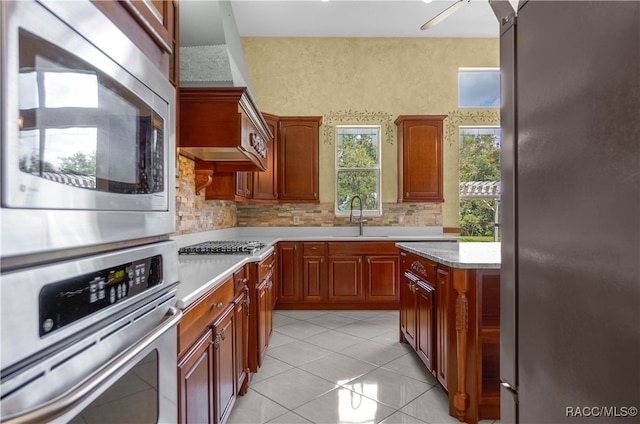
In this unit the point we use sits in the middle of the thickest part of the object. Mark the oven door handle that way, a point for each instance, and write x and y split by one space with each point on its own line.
66 402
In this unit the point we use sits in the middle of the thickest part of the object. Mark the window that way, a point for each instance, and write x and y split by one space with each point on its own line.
479 183
479 87
358 168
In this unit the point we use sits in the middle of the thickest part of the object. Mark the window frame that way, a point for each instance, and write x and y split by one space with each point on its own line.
377 170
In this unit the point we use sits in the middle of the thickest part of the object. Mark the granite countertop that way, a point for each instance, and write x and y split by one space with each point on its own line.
457 255
202 273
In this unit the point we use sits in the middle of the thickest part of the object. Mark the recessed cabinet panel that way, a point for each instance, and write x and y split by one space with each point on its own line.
420 169
345 282
265 184
382 278
299 158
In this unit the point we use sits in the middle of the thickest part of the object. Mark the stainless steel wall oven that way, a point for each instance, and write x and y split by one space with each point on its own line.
87 132
92 339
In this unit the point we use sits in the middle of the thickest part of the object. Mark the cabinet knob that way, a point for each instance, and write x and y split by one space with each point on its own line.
216 341
216 305
245 280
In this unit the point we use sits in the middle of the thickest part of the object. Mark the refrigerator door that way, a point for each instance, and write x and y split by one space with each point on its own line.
578 208
508 294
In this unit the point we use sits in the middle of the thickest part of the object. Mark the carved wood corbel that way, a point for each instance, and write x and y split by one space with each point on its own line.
461 398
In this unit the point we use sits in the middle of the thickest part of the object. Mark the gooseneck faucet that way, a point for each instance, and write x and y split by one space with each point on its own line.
361 220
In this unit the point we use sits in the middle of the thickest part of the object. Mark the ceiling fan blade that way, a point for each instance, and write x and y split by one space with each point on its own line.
444 14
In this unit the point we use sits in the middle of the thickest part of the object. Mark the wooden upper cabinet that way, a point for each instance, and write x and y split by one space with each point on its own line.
265 184
299 158
420 170
152 26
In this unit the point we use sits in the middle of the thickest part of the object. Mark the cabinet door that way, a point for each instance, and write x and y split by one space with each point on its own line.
242 342
288 271
315 279
195 379
408 311
243 184
420 171
299 160
265 184
345 279
224 363
443 298
425 325
381 283
269 311
263 315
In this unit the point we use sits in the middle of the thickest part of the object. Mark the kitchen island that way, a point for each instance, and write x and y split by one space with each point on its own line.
450 315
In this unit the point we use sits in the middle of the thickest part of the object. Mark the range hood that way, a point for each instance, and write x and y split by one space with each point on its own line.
219 119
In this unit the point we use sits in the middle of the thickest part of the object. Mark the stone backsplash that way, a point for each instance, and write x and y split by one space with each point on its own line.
194 214
322 214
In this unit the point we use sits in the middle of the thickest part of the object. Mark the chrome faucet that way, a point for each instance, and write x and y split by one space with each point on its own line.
361 220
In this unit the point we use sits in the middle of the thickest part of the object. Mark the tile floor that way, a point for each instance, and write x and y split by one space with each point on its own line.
340 367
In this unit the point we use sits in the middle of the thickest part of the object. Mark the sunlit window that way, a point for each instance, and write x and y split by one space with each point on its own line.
479 87
358 169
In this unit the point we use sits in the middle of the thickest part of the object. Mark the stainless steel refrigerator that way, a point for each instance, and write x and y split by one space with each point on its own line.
570 294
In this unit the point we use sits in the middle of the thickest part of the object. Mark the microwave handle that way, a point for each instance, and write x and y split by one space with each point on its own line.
66 402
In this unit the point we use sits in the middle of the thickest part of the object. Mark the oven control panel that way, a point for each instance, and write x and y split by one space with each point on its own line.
64 302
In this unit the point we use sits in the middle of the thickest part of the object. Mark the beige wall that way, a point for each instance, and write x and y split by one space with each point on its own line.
370 81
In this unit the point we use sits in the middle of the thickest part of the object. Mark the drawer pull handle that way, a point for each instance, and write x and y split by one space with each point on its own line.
223 334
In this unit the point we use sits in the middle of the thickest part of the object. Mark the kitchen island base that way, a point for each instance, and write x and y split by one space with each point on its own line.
451 317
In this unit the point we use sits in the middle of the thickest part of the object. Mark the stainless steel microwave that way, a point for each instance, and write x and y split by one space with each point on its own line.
88 132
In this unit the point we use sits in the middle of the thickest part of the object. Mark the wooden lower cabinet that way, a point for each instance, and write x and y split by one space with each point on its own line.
408 307
211 362
289 260
314 272
451 318
224 372
343 275
196 391
424 325
261 310
345 279
380 278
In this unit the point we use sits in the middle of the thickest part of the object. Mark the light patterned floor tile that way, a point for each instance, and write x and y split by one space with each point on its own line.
411 366
374 353
337 368
400 418
289 418
293 388
270 367
298 353
431 407
331 321
300 330
254 408
334 340
362 329
344 406
394 390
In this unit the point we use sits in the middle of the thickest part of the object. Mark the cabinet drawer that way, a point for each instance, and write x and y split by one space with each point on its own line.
422 267
313 249
199 316
266 266
240 280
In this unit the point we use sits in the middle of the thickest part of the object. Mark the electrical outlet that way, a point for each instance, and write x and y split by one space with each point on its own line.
296 220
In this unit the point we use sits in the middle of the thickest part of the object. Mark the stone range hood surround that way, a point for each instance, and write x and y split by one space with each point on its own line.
219 120
209 66
210 47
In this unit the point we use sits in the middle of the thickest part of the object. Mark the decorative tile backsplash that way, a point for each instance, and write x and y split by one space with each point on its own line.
195 214
322 214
